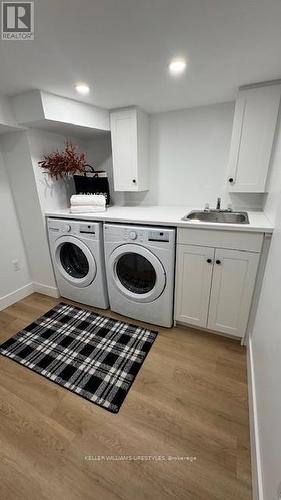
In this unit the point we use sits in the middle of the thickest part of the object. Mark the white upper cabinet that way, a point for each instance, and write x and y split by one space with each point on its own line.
254 125
129 137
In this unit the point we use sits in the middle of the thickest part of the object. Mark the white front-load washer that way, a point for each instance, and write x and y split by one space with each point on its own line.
140 263
78 260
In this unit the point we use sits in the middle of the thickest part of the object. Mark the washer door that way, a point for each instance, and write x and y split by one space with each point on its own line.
74 261
137 273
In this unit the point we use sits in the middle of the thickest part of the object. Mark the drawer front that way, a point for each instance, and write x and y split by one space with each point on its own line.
233 240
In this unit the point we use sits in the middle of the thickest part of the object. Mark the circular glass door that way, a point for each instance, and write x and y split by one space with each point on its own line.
137 273
75 261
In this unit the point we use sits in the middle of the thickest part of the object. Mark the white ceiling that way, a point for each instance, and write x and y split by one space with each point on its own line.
122 48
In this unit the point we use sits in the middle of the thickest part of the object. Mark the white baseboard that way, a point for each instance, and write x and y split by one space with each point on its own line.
254 430
21 293
15 296
52 291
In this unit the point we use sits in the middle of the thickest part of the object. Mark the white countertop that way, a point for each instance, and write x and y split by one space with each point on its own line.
164 216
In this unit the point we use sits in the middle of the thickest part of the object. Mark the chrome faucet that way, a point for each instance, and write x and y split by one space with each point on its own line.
218 207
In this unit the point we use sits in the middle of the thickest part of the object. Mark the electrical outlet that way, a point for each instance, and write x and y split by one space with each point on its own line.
16 265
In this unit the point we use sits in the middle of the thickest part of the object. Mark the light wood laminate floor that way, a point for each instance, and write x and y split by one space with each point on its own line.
189 399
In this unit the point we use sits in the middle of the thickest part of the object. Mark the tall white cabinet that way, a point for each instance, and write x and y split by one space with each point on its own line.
215 283
129 138
254 125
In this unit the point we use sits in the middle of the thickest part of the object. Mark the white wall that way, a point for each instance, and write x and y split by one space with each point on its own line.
272 198
99 155
53 194
188 159
17 158
265 345
13 284
7 117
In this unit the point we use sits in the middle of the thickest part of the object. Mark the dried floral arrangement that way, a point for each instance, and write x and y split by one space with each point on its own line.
60 164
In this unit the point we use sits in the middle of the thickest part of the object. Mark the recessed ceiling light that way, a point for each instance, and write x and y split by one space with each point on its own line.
82 88
177 66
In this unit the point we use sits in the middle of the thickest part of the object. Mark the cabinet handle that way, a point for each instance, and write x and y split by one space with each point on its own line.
231 180
209 261
134 181
218 262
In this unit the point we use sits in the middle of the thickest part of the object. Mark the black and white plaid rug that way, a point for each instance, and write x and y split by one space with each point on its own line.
91 355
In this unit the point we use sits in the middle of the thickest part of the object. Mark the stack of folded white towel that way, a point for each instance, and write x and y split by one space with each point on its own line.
87 203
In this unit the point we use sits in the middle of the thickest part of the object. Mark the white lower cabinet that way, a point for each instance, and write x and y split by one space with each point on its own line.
232 289
194 264
215 287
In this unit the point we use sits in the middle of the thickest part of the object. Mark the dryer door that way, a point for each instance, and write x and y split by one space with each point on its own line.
74 261
137 273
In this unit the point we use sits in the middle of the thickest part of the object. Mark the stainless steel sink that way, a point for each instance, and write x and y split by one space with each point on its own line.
218 217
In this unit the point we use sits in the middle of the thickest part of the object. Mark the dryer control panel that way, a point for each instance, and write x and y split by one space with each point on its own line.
140 235
144 235
134 234
158 236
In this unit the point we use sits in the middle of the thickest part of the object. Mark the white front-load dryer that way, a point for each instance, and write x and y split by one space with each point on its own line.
140 263
78 259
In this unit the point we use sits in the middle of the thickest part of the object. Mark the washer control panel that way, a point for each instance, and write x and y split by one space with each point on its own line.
74 227
133 235
87 228
62 227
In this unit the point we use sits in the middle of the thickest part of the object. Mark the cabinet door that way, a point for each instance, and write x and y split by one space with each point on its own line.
194 276
232 289
254 126
124 149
